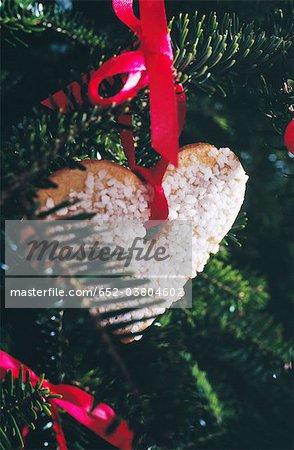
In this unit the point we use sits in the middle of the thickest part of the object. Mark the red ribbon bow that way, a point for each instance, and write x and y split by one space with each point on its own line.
78 404
151 64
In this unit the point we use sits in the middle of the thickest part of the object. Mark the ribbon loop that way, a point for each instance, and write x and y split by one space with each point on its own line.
131 63
125 12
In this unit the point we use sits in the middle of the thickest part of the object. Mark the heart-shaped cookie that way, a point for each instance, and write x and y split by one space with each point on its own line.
207 188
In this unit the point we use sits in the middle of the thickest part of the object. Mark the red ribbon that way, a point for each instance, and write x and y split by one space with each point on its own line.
151 64
78 404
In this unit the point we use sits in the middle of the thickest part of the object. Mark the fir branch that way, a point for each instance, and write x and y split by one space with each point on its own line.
237 305
205 388
277 104
22 403
239 224
75 27
281 21
49 141
208 48
23 17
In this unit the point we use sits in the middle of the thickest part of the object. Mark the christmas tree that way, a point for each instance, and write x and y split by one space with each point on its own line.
213 376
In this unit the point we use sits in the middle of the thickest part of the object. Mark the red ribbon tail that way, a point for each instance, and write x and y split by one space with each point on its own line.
163 108
60 438
127 139
159 59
